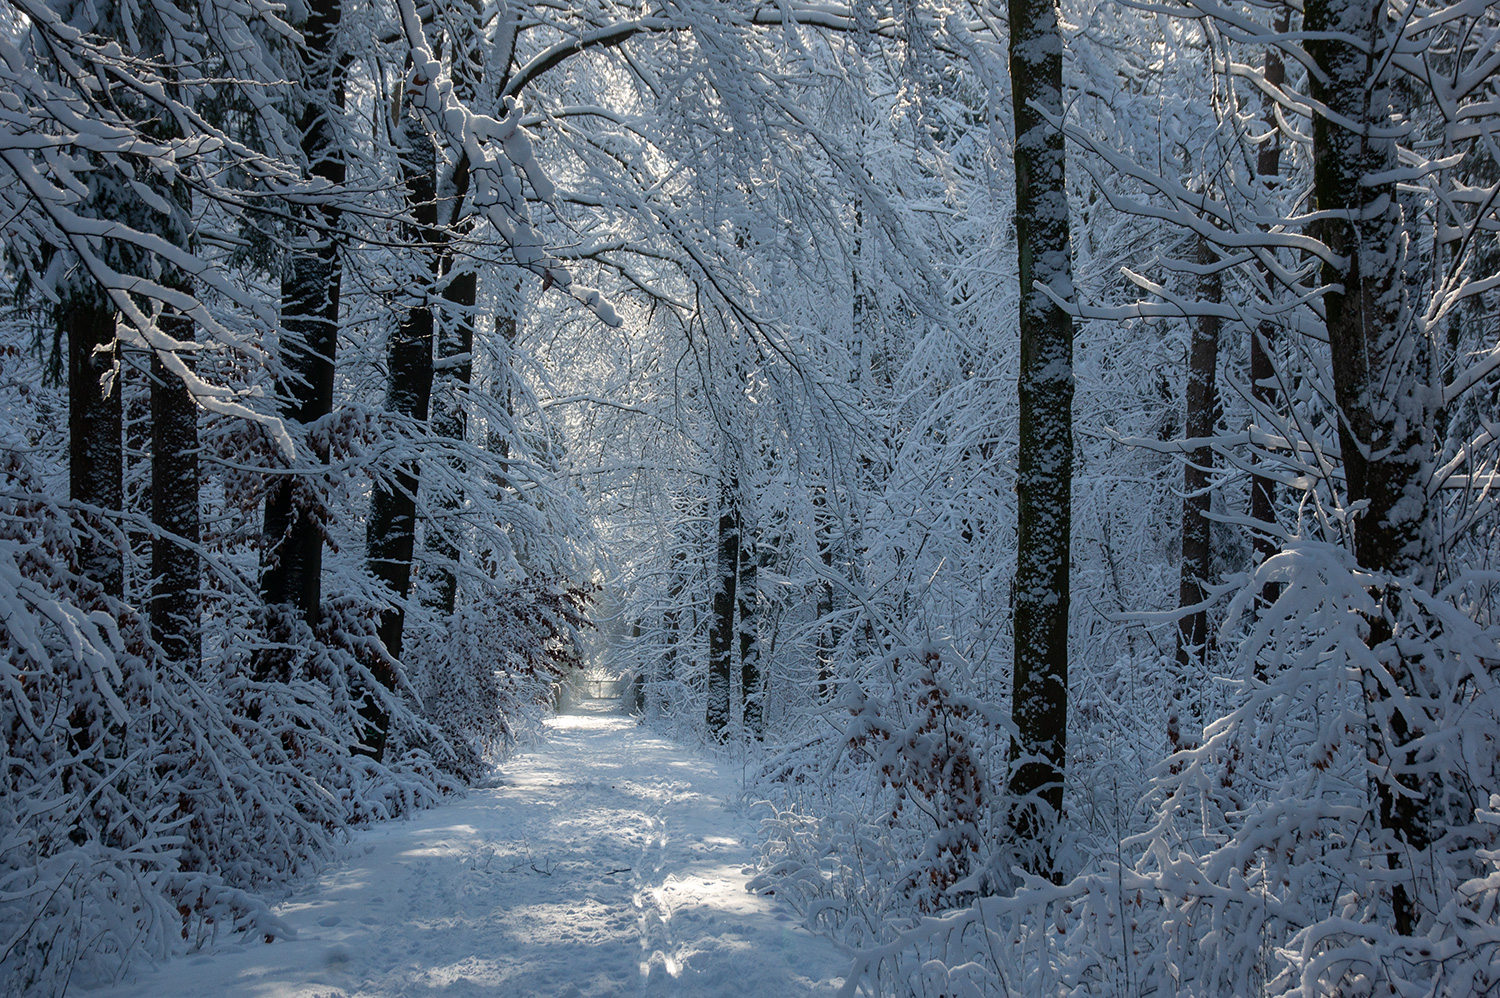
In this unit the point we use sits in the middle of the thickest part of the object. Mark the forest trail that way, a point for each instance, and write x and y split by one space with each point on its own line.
603 863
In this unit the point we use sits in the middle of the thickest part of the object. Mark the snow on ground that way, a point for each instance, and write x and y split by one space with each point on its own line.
606 862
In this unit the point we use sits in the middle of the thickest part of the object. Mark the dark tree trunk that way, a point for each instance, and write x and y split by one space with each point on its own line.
1264 337
176 615
456 371
1381 378
136 485
1195 567
455 332
175 600
390 535
824 609
859 318
95 427
1045 468
292 563
721 629
826 533
748 595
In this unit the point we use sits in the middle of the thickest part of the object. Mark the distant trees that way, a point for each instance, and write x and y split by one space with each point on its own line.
721 629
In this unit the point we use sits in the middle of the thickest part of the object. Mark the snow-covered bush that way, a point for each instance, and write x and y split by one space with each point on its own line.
891 814
119 775
1265 869
487 681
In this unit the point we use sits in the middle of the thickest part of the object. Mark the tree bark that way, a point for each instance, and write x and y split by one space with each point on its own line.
95 427
175 600
292 559
135 374
829 634
721 629
1381 378
1264 336
455 337
390 535
1196 564
1045 466
455 373
665 666
748 595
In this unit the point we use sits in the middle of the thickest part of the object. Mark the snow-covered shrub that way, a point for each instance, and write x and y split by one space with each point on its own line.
1270 849
486 680
145 799
921 742
112 764
891 814
1267 869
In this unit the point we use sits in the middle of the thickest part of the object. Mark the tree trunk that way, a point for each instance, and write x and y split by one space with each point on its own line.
390 535
666 665
454 375
176 614
824 609
1045 468
830 634
721 628
175 599
292 560
1195 568
861 306
748 595
1381 379
95 425
1263 338
135 477
455 330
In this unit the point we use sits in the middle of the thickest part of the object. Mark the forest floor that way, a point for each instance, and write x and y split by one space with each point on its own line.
604 862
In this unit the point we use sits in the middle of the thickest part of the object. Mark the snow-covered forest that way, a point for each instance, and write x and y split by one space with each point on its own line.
1048 448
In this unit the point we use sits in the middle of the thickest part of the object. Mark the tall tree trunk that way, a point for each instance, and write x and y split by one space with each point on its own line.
455 373
175 600
1195 567
1264 336
829 634
1045 469
451 383
721 628
176 615
1381 379
95 454
390 534
95 427
748 595
135 477
861 306
455 332
292 565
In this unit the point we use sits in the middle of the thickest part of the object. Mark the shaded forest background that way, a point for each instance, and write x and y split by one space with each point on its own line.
1055 447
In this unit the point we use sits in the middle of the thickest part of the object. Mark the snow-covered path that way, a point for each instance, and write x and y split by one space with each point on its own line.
603 863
